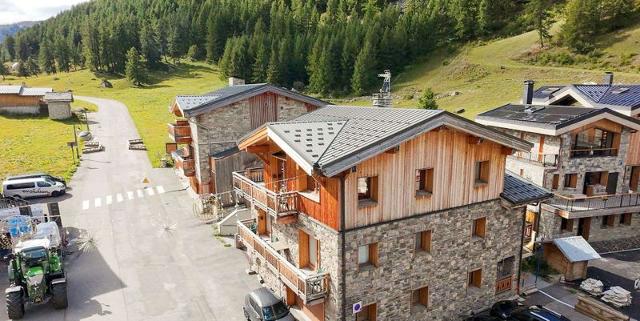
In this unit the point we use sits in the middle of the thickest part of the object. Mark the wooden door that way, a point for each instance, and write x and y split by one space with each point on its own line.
262 222
584 226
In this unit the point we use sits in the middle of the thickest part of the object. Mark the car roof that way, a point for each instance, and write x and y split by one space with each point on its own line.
264 297
28 175
24 180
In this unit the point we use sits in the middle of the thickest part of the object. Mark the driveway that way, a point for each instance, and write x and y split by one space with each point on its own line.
621 269
149 258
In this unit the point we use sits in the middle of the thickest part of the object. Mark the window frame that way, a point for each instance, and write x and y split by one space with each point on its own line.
482 172
372 255
474 279
370 197
569 181
625 219
608 221
423 241
420 297
566 225
424 181
479 230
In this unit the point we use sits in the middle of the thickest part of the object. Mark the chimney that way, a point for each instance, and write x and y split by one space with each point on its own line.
527 97
608 78
233 81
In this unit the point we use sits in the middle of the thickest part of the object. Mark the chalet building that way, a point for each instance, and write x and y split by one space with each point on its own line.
581 154
203 140
21 100
384 213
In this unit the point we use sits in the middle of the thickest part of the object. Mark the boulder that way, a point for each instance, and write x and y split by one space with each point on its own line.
617 296
592 286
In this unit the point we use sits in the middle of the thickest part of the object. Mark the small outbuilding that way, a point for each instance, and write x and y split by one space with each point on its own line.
59 104
570 256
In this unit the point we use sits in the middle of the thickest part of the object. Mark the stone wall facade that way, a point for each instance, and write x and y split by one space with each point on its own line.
220 129
454 253
59 110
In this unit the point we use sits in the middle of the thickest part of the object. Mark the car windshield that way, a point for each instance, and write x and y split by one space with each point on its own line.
50 181
275 312
34 255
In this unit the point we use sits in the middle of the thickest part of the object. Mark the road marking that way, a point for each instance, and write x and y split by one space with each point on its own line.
160 189
119 198
85 205
140 194
109 199
130 195
97 202
150 191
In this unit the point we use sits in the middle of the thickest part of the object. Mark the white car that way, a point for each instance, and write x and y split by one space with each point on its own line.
32 187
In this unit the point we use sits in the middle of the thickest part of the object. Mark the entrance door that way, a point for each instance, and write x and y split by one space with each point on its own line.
612 183
584 225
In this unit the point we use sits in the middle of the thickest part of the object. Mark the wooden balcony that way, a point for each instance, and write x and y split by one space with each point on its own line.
593 152
504 284
548 160
186 164
309 286
585 206
250 185
180 132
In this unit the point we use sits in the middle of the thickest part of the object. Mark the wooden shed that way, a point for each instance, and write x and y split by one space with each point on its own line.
570 256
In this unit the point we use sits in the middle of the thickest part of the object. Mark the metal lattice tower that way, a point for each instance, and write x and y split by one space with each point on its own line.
383 98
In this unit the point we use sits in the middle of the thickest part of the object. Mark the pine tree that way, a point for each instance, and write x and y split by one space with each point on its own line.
428 100
133 68
10 45
260 65
193 53
274 73
150 45
3 70
539 16
32 67
582 25
62 54
23 69
45 58
364 71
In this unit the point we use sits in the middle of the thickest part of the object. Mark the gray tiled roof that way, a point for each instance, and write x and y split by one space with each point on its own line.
617 95
193 105
518 190
23 91
64 96
576 249
9 89
546 92
546 117
353 134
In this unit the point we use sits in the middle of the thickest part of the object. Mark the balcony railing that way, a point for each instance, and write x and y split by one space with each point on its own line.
308 285
504 284
590 203
544 159
593 152
180 132
250 185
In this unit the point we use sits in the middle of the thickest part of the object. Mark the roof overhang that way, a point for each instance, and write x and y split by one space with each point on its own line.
556 130
443 119
204 108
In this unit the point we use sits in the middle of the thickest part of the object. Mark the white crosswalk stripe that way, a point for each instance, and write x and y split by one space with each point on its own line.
119 197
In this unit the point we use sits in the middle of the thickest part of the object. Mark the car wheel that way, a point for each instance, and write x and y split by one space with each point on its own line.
55 194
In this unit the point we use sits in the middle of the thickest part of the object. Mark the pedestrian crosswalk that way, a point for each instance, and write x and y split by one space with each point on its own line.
122 197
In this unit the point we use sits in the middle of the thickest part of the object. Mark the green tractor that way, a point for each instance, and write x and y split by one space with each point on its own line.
36 274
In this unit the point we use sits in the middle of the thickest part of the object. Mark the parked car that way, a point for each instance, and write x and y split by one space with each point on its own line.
32 187
262 304
38 175
514 311
482 318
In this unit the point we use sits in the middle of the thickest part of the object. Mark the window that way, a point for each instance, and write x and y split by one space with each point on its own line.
475 278
368 255
368 313
566 225
479 227
571 180
424 181
423 241
595 142
608 221
554 182
43 184
482 172
625 219
312 184
505 267
420 297
367 189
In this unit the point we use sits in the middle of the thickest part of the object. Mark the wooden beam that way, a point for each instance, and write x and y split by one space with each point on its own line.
393 150
258 149
506 150
474 140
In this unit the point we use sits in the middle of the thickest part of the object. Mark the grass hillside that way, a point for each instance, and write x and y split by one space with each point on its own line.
148 105
483 76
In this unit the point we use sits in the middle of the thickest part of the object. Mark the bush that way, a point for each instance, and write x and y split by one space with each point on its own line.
530 265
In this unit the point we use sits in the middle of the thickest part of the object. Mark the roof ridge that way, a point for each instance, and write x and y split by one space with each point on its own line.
331 142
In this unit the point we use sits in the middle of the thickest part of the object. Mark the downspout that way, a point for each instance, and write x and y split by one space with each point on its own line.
343 273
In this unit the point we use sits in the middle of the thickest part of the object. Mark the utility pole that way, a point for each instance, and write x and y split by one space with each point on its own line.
75 139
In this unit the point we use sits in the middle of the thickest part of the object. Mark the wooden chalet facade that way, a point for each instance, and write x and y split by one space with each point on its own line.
203 138
376 207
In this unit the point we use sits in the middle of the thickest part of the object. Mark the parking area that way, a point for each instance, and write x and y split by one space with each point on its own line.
621 269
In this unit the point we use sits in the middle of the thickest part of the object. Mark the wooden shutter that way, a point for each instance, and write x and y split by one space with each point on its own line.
303 249
373 254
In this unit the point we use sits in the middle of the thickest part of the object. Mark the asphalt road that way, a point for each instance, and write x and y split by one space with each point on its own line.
150 258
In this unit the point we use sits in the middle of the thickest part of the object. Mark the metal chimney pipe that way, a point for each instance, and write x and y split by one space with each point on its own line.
608 78
527 97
